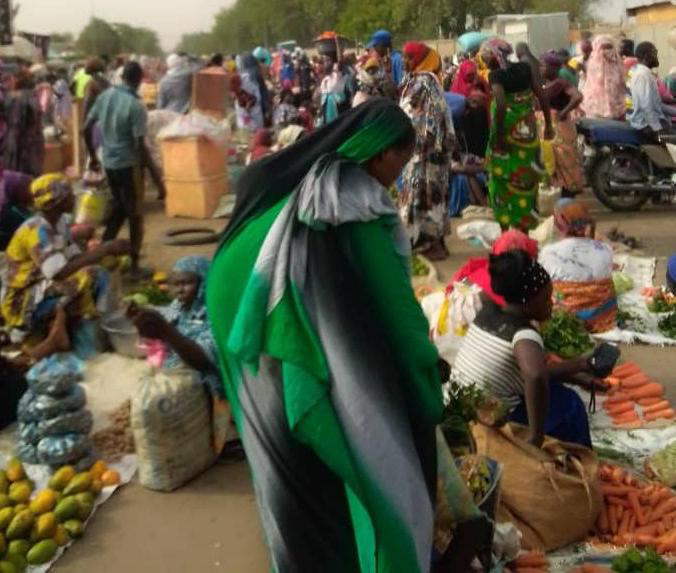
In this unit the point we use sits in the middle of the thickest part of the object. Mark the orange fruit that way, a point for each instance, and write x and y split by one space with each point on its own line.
98 469
110 477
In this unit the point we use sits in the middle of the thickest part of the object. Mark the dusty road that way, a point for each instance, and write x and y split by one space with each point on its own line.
211 524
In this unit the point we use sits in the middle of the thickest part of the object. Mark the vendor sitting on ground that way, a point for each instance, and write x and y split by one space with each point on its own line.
184 329
48 278
15 202
503 354
581 268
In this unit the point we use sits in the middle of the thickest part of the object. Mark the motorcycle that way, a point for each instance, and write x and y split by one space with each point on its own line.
624 170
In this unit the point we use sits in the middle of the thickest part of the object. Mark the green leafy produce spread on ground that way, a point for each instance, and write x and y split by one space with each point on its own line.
667 325
420 269
636 561
566 336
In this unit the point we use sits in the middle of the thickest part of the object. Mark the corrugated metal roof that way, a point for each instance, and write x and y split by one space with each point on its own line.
634 4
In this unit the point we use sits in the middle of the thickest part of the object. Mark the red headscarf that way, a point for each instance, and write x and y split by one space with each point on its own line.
261 144
416 52
476 269
462 83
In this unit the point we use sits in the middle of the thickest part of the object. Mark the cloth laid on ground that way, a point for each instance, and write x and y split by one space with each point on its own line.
641 270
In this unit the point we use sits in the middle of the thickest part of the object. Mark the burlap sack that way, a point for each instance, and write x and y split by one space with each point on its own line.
551 493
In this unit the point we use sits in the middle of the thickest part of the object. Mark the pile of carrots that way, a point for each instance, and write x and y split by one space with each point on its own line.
630 388
636 513
537 562
531 562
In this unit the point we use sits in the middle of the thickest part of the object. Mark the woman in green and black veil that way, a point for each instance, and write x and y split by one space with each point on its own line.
324 351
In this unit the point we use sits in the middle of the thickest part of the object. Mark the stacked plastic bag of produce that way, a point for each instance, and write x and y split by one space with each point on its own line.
54 424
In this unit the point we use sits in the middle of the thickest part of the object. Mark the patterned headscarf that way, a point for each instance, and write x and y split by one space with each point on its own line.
50 190
495 49
462 83
572 217
198 266
424 58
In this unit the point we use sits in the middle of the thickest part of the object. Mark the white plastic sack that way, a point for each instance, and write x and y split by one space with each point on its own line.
483 232
171 421
196 124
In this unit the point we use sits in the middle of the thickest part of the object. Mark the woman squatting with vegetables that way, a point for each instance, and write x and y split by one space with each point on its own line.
503 354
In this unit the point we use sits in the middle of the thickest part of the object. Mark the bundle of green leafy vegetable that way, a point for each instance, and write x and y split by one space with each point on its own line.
636 561
420 269
149 294
627 320
660 303
566 336
667 325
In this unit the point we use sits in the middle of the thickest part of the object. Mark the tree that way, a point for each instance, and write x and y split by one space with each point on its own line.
198 43
138 40
98 38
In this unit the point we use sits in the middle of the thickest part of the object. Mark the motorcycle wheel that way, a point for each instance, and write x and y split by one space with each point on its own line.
618 200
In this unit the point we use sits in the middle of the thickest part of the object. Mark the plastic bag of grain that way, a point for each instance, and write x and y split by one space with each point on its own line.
171 422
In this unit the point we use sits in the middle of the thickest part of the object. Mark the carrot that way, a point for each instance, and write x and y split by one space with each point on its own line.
617 408
615 490
612 381
634 381
616 397
531 570
647 530
632 523
632 496
625 417
648 401
612 518
626 369
664 507
602 522
660 528
650 390
614 500
629 424
617 475
591 568
667 414
661 405
531 559
620 513
624 524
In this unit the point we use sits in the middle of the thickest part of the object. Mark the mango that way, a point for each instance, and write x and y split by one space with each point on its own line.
42 552
98 469
7 567
20 491
18 547
66 509
19 562
61 535
6 515
110 477
20 525
20 507
78 484
14 470
45 525
61 477
43 501
96 487
4 482
3 544
74 527
5 501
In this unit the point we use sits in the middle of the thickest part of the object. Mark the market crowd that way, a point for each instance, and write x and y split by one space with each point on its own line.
356 161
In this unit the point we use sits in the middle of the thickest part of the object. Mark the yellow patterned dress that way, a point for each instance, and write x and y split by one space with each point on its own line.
36 254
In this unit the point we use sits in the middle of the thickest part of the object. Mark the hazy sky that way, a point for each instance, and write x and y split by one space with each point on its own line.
170 18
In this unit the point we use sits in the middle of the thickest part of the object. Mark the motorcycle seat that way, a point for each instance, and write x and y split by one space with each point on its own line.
610 131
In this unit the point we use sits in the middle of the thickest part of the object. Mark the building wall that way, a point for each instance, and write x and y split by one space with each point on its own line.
658 14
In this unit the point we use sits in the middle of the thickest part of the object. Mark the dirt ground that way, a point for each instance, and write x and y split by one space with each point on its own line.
211 524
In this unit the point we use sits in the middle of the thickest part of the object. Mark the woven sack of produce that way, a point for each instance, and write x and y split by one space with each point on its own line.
550 493
63 449
56 375
27 453
79 422
25 410
171 422
28 433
